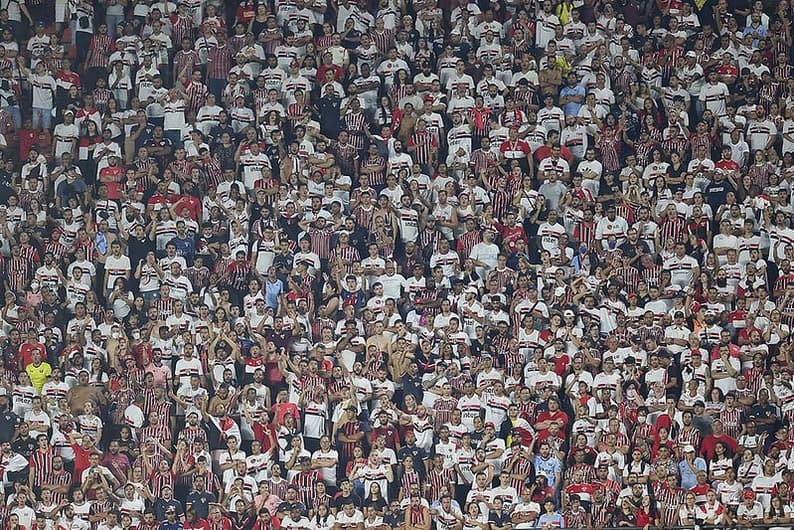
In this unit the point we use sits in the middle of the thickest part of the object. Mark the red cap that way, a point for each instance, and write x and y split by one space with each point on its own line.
749 494
349 302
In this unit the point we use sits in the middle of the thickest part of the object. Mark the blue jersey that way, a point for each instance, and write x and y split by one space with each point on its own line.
184 247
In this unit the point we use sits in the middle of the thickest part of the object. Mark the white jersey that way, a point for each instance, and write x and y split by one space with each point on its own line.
681 269
409 224
470 408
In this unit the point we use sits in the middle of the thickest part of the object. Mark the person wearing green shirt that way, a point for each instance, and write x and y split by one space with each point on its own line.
38 370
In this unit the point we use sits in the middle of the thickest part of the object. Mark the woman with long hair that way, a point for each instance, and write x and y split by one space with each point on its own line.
182 467
475 519
92 306
720 463
424 52
385 114
750 467
779 513
323 519
138 310
97 376
272 122
660 194
121 298
626 515
715 402
649 109
36 216
88 142
647 513
398 88
688 511
760 170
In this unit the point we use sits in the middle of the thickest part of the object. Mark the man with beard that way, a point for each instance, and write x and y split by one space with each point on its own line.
57 480
116 462
69 521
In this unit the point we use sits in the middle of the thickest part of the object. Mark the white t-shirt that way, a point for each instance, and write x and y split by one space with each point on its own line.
116 268
186 368
63 136
328 474
43 90
343 519
315 416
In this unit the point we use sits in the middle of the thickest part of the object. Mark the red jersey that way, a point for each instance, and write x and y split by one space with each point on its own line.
192 204
70 77
27 138
544 152
511 234
707 447
112 176
727 69
81 462
26 352
158 199
198 524
584 490
338 72
727 165
556 416
281 409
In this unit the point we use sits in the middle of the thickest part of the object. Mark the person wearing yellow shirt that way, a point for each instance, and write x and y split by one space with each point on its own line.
38 370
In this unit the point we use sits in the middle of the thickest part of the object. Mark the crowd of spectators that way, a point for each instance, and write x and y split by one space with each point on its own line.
369 265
